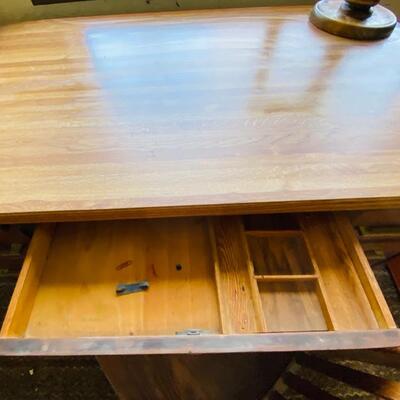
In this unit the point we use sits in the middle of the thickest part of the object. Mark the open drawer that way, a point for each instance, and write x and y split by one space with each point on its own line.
251 283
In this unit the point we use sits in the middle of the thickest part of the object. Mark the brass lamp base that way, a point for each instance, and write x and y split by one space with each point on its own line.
339 18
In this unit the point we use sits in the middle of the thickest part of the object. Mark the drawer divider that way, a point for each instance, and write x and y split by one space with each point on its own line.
286 278
324 301
239 299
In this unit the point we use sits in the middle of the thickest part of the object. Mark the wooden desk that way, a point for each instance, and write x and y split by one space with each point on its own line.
189 113
195 113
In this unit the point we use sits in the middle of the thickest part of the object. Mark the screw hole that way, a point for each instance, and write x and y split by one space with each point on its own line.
179 267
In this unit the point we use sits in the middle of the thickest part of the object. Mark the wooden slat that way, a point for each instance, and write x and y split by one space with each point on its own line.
260 342
240 310
307 388
285 278
325 302
338 274
262 322
21 304
385 388
366 275
326 306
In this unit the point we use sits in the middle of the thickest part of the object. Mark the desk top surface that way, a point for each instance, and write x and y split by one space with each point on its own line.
199 112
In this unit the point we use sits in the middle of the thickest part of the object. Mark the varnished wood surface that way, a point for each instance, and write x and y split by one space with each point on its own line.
201 112
29 281
210 344
291 306
239 307
201 276
366 275
345 293
279 254
77 297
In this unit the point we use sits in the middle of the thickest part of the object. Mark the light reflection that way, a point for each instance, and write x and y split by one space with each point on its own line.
363 86
288 68
250 78
185 69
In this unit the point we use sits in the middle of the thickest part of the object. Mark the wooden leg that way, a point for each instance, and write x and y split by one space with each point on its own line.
193 377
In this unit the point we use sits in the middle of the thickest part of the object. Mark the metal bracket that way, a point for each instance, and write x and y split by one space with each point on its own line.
193 332
127 288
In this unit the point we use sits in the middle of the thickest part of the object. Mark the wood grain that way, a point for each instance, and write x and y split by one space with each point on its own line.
279 254
29 280
348 302
291 306
205 344
188 377
324 300
371 287
198 112
285 278
77 295
201 276
238 296
284 256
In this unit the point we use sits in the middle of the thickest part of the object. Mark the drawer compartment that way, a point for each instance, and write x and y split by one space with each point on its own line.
219 275
76 293
292 306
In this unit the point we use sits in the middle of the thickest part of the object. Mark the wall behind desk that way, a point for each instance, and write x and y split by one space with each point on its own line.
21 10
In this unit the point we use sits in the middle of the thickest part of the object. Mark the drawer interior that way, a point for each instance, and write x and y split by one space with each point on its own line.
240 274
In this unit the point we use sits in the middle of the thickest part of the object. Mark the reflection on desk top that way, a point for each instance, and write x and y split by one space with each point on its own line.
198 112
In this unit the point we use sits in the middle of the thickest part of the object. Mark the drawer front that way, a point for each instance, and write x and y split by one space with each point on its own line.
250 283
